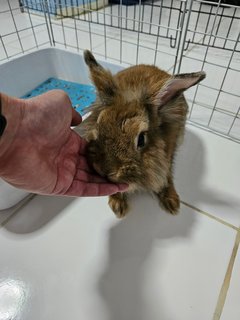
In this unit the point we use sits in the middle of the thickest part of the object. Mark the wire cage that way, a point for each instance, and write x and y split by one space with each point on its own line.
176 35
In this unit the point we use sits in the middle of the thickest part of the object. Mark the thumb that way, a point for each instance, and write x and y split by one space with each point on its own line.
76 118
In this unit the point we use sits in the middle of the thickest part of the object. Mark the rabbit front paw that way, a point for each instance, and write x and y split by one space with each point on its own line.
119 204
169 200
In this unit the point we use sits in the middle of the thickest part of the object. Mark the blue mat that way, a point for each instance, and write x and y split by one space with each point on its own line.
81 95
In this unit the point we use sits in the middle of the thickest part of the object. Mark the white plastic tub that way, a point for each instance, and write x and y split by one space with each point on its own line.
21 75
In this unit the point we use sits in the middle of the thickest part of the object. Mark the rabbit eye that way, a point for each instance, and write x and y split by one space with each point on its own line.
141 140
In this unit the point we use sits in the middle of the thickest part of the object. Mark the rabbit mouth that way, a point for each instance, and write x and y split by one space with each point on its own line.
116 178
112 176
132 186
120 177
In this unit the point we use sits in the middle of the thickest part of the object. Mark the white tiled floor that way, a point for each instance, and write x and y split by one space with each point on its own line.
148 266
108 269
230 312
65 258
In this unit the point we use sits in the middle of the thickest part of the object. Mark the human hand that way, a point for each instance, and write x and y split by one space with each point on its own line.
42 154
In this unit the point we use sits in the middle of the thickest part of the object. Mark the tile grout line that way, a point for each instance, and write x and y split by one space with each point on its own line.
17 209
211 216
226 282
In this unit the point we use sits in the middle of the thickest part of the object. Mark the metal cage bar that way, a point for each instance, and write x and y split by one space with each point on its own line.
206 45
176 35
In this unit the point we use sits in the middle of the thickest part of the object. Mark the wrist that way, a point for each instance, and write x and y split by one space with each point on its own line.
12 110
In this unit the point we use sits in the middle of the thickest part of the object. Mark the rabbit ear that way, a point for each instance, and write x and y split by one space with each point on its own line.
102 78
176 85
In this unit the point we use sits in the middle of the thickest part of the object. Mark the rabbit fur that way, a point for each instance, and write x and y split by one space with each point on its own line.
134 129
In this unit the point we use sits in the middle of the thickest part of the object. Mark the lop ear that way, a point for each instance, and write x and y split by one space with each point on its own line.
176 85
103 79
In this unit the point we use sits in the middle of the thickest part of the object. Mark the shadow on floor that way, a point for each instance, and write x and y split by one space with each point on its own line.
131 243
190 171
35 216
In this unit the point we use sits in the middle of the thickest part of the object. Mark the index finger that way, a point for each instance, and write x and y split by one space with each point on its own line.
83 189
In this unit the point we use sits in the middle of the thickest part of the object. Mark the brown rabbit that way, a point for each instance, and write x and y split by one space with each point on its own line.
134 128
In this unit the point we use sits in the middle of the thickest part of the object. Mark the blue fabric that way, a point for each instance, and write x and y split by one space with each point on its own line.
81 95
53 5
